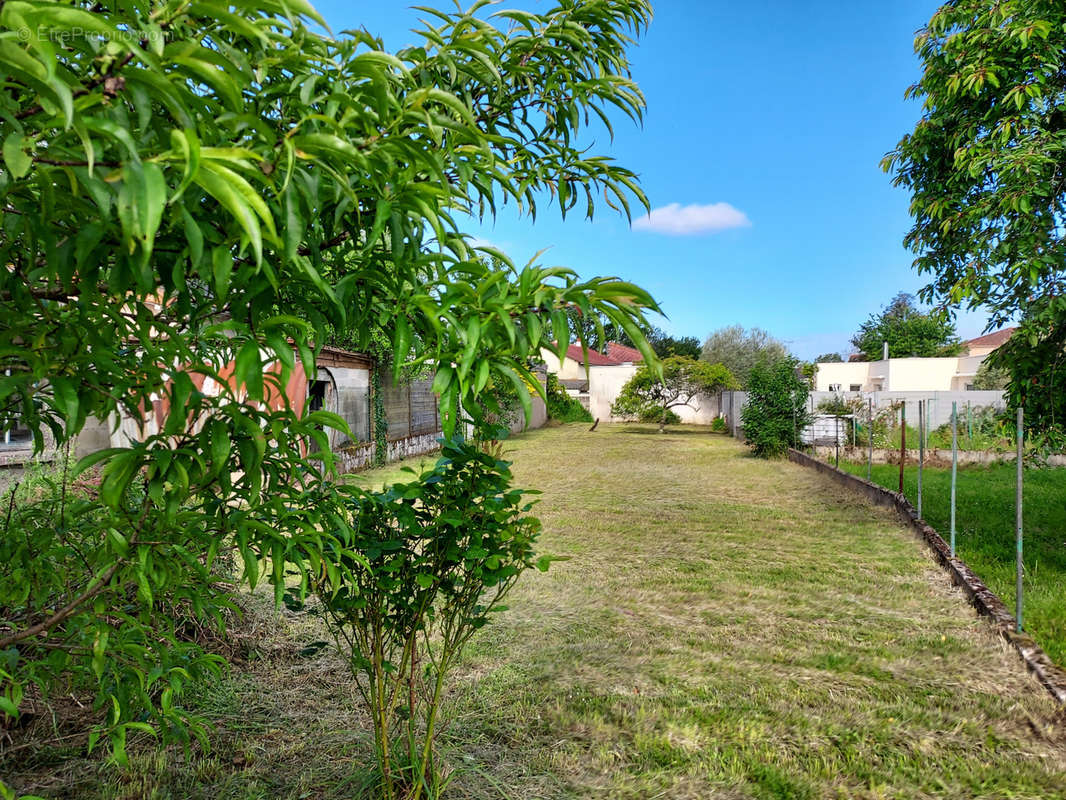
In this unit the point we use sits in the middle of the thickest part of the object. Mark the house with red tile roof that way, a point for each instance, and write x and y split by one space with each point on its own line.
594 378
983 345
622 354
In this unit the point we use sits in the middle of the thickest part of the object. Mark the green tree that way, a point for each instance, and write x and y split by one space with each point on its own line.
986 170
740 350
1031 366
986 164
209 185
680 383
776 410
666 345
908 332
829 358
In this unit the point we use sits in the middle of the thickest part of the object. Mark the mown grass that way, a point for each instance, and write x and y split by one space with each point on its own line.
985 504
724 628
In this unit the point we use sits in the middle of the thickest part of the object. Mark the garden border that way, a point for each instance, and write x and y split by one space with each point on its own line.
1051 677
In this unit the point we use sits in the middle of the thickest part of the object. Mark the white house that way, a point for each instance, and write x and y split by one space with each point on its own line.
911 374
598 382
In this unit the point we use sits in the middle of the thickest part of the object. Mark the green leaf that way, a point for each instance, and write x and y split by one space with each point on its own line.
248 369
16 158
221 270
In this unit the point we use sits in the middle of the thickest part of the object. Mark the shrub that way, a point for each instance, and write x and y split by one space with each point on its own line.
653 414
424 566
777 407
122 650
718 425
563 407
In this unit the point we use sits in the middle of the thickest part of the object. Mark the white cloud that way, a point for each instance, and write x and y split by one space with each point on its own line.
678 220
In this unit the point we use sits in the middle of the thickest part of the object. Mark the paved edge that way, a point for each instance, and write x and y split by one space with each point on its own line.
1051 677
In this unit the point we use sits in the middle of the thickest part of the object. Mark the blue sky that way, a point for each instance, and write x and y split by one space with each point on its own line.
782 111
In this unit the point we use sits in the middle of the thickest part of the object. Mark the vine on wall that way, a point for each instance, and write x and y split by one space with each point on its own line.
380 420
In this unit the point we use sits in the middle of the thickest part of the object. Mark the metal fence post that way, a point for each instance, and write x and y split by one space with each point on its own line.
921 450
1018 525
902 442
954 465
836 437
969 423
870 455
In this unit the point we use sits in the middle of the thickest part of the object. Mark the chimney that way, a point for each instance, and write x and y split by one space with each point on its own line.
884 352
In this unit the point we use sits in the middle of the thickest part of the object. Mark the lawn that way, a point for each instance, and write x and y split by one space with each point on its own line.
985 534
724 628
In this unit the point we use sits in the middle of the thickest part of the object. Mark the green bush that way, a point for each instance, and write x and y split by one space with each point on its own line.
777 407
657 415
563 407
423 565
719 425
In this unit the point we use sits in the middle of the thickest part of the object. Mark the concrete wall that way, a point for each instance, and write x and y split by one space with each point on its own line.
706 409
537 419
360 456
605 384
569 370
900 374
922 374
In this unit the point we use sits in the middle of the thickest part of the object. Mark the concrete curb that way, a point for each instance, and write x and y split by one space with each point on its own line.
1051 677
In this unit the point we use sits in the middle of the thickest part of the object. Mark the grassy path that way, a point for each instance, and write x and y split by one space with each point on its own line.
724 628
985 534
728 627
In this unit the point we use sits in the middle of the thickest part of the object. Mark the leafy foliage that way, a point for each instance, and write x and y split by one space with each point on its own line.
908 331
665 345
1035 359
663 418
991 377
649 395
739 350
561 406
777 407
829 358
841 406
985 165
424 565
198 197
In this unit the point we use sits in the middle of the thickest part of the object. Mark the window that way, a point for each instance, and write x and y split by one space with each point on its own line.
834 387
855 387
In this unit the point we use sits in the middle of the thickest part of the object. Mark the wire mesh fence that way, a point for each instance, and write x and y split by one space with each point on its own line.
1004 518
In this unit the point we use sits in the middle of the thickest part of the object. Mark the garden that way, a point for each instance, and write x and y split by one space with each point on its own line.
200 198
717 625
